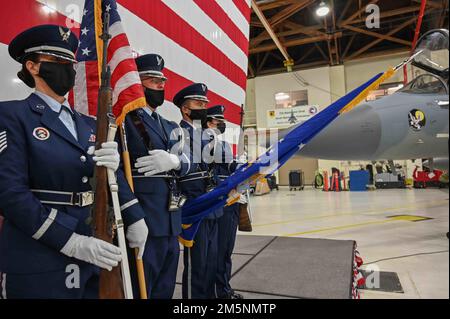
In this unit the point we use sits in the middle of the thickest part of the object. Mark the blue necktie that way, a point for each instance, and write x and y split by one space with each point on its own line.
67 117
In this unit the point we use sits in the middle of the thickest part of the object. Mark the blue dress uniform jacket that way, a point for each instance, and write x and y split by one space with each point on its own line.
42 154
162 249
200 261
153 192
191 185
227 225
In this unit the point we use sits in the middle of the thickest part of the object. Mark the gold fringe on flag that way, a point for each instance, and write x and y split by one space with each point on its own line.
185 243
129 107
363 95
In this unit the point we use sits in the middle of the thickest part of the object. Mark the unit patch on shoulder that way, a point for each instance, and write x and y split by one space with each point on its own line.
41 133
3 141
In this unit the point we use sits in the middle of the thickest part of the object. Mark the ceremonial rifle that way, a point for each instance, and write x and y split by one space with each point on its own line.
245 222
108 223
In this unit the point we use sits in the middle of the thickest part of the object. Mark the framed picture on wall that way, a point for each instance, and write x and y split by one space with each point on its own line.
291 99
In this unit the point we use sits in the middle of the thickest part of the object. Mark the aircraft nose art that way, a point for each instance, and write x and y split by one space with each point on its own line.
352 135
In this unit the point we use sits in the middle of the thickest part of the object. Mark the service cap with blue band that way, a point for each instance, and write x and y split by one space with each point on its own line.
196 91
48 39
150 65
216 112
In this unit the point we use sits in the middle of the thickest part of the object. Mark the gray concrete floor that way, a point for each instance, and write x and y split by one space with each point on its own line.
367 218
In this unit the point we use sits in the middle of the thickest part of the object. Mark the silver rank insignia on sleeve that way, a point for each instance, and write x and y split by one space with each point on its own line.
3 141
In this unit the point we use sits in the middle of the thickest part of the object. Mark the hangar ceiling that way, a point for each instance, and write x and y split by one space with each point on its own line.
341 36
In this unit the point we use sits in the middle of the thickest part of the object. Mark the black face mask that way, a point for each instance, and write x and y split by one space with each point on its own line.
59 77
199 115
154 98
221 127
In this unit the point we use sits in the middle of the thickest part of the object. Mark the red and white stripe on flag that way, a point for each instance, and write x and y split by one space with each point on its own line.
127 93
201 41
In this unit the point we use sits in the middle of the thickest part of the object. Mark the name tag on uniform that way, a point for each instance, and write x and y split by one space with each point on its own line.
92 138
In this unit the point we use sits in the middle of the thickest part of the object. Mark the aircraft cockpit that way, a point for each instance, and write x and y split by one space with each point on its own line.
426 84
434 56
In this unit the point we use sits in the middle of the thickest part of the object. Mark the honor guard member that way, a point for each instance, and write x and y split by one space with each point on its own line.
200 261
156 152
224 166
46 161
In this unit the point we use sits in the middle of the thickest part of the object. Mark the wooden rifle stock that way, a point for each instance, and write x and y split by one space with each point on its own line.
245 223
110 281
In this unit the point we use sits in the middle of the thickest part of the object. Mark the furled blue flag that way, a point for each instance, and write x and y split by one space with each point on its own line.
195 210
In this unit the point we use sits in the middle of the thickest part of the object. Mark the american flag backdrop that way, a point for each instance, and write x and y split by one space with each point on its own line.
127 93
201 41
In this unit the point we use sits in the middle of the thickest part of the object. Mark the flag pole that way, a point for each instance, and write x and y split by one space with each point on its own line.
129 177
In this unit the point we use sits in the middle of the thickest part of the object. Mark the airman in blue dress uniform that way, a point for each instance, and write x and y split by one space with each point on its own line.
200 261
46 161
155 149
224 166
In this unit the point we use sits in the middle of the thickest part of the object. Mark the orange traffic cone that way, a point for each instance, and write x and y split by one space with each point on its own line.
336 182
326 187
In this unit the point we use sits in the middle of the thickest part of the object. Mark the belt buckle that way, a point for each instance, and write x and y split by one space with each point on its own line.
86 198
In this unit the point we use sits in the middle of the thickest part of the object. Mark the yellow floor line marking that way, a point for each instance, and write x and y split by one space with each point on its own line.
337 228
409 218
377 222
339 214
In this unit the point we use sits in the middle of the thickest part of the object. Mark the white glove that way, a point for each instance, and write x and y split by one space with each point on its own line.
243 187
243 199
137 236
108 156
93 251
159 161
242 159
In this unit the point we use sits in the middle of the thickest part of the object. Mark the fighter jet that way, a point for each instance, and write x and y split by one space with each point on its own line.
409 124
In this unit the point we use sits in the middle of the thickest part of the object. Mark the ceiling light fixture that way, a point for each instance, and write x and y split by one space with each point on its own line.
322 10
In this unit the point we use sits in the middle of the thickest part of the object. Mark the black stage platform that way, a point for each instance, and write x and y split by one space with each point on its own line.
281 267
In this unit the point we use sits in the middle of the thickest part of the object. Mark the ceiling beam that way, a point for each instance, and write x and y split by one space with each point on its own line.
288 12
279 18
317 46
295 42
377 35
431 4
270 31
336 41
392 32
295 68
345 10
330 53
316 64
404 50
261 64
251 70
306 55
276 4
312 30
349 44
357 13
276 56
295 29
442 18
388 14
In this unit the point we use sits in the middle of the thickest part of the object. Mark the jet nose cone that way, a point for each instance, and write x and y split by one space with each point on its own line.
354 135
